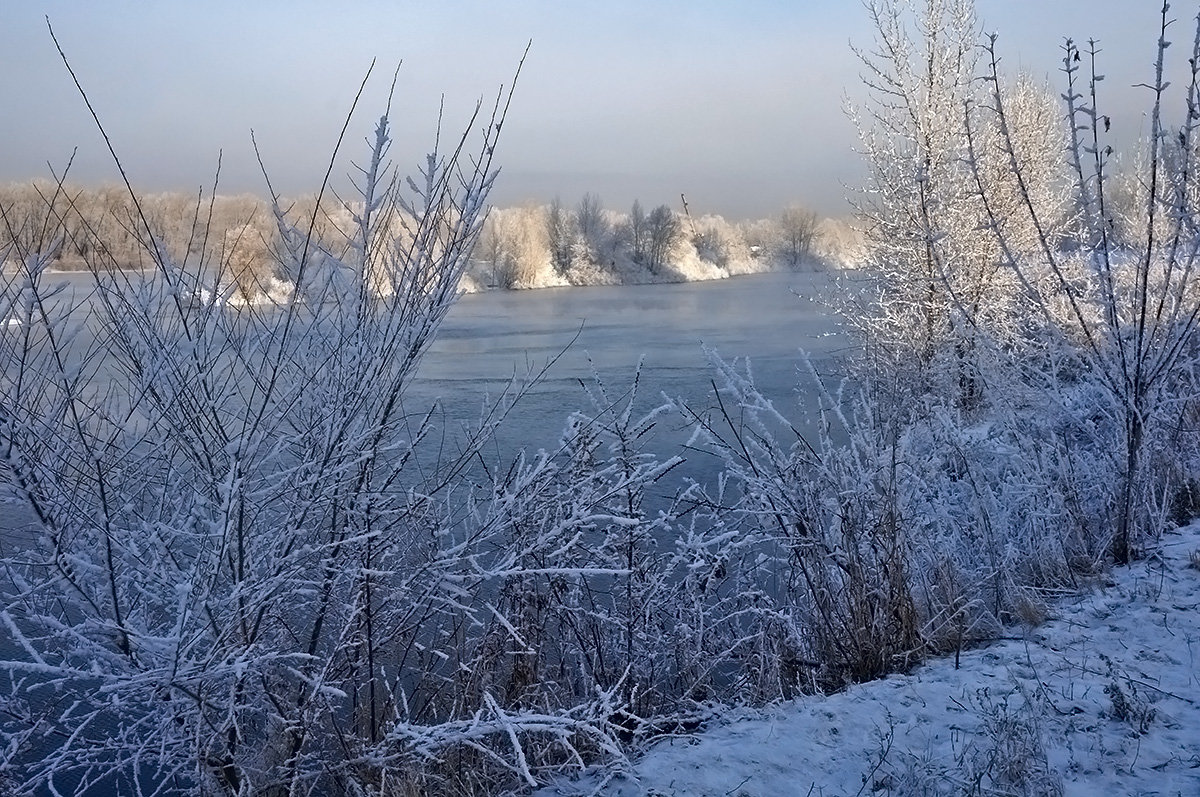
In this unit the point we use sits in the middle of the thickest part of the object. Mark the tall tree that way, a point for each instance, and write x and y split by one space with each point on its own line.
561 233
638 233
797 233
664 233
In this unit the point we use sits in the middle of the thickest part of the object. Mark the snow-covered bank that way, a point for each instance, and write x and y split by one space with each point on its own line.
554 246
626 272
1103 698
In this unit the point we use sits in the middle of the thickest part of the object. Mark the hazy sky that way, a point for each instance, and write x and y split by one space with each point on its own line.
738 103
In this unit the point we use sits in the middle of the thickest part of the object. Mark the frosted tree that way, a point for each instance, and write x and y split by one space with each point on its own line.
664 234
1121 309
797 234
639 243
945 300
525 259
918 208
561 233
595 232
39 211
490 248
245 261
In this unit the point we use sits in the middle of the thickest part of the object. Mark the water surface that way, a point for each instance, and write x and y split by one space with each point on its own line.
489 338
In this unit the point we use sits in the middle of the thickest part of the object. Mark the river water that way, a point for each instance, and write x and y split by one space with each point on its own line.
489 337
769 318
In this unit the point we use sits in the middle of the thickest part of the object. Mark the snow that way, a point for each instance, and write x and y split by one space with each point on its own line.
1103 698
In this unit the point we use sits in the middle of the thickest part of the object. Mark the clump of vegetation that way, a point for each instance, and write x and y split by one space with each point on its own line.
1129 705
1004 754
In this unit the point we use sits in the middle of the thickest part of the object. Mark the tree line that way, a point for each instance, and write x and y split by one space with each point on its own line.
521 247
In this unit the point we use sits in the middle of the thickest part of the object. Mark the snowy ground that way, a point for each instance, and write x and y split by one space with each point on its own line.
1102 699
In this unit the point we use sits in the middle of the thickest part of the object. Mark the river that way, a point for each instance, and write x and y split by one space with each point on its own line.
489 337
769 318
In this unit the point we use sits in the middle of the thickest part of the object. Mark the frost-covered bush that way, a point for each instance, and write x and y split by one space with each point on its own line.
1001 276
825 529
1128 310
717 241
255 567
1017 415
874 539
250 570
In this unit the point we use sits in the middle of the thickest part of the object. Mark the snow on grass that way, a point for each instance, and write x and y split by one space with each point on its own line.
1104 698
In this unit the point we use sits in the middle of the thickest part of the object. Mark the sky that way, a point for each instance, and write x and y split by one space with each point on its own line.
739 104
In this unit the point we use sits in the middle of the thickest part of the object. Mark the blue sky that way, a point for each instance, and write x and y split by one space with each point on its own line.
736 104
